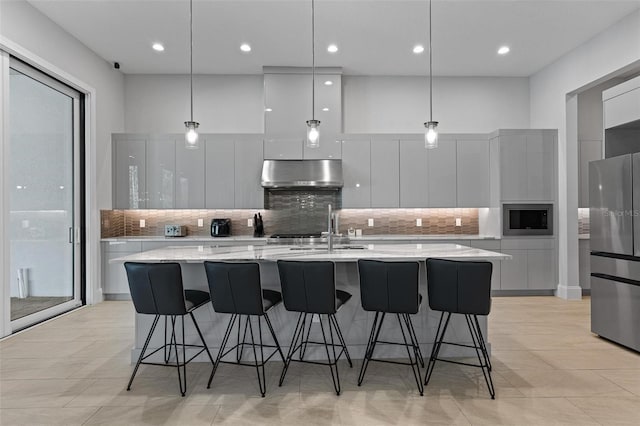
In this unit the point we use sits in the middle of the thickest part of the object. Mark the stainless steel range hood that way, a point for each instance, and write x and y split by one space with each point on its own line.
301 174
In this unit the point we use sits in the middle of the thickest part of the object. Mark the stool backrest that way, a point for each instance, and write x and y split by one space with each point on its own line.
389 286
308 286
235 287
156 288
459 286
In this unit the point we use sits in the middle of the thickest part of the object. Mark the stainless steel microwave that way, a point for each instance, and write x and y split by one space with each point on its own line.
527 219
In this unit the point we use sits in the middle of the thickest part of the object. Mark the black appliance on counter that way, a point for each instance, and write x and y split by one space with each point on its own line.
527 219
220 227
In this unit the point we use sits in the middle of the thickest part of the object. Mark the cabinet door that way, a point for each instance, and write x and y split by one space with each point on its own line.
114 275
540 166
473 173
622 109
541 269
283 149
584 263
161 165
248 170
289 98
413 174
129 174
385 174
513 272
441 174
219 173
589 151
190 176
513 167
330 148
356 169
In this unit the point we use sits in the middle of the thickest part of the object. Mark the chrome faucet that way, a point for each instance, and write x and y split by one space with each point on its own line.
330 230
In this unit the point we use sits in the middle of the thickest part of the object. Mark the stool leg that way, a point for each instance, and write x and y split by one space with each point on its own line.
483 345
144 349
486 373
341 338
193 318
305 341
437 344
294 339
414 364
167 355
369 349
225 339
273 335
334 377
414 339
259 365
240 347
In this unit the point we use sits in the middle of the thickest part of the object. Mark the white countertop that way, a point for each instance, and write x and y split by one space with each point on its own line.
342 253
194 238
248 238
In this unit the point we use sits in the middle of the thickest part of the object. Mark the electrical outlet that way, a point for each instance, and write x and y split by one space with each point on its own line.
200 223
370 222
249 223
419 222
458 221
143 223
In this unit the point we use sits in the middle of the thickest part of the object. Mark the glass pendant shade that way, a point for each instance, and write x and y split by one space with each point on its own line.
313 133
191 134
431 134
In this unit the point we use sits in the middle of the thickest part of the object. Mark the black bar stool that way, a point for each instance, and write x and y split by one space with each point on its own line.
391 288
460 287
310 289
156 289
237 290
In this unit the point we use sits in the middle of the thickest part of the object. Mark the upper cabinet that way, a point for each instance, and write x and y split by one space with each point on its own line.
527 165
622 103
129 173
356 169
473 173
413 174
441 178
219 172
248 172
161 172
288 106
283 148
385 173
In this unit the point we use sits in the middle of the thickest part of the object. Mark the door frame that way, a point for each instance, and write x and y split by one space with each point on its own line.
91 232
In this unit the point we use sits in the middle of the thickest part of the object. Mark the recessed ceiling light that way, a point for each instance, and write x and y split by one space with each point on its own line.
418 48
158 47
503 50
325 109
245 47
332 48
268 109
328 83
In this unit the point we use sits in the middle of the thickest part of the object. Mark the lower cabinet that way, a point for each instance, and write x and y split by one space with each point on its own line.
529 269
114 278
514 273
584 263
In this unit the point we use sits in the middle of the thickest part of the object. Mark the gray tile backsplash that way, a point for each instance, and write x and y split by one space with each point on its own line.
300 211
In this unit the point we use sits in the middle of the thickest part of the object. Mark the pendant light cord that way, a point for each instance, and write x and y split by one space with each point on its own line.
191 52
313 61
430 70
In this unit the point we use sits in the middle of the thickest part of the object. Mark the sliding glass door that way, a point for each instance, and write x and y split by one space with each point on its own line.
44 249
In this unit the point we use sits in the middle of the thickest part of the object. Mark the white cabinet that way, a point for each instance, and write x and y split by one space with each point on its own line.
413 174
533 265
129 175
514 272
330 148
473 173
356 169
114 278
283 149
584 263
589 151
541 269
161 170
248 159
623 108
527 165
190 176
219 172
385 173
441 174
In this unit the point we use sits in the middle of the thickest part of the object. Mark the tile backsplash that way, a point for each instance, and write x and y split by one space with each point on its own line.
583 221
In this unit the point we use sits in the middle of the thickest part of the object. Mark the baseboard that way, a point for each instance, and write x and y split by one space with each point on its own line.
512 293
117 296
569 292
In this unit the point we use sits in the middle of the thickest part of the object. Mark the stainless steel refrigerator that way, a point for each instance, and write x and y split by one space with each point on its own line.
614 192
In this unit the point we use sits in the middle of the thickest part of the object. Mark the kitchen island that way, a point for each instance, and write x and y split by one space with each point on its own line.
354 321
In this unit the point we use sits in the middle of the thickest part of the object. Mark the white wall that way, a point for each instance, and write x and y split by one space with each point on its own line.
221 103
596 60
460 104
23 24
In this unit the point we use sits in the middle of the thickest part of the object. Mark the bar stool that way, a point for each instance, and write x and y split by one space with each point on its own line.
156 289
460 287
310 289
391 288
237 290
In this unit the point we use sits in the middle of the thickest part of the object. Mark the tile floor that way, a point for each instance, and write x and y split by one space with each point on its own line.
548 369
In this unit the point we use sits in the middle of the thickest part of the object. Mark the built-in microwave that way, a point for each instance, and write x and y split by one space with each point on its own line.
527 219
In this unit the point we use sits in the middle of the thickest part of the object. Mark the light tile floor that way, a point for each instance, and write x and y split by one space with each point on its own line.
548 369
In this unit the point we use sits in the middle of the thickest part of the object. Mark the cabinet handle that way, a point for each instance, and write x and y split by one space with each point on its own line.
70 235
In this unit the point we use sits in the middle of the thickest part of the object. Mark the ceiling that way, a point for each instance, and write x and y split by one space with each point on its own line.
375 37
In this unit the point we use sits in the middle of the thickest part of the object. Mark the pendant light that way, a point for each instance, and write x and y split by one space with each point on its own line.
313 131
431 127
191 127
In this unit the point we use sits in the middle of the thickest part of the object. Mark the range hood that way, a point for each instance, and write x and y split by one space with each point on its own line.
301 174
